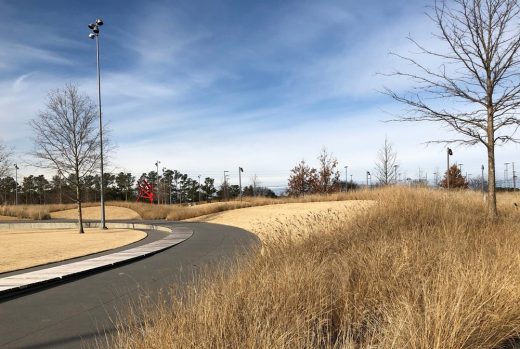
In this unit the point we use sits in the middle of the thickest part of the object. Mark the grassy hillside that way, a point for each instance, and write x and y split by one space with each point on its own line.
420 269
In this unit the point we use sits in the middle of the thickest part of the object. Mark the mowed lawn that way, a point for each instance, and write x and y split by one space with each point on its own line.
21 249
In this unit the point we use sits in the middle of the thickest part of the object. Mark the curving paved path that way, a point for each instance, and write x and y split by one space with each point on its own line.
76 314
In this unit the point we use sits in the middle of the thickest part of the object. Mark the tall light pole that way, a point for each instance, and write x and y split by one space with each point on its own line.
16 168
448 153
482 168
506 174
240 170
158 188
95 35
199 188
514 177
346 178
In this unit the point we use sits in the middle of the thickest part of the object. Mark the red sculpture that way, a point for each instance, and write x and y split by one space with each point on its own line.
146 191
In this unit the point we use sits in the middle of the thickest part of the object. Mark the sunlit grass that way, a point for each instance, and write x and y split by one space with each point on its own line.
420 269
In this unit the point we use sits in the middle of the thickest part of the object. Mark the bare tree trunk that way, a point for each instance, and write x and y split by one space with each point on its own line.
492 196
78 200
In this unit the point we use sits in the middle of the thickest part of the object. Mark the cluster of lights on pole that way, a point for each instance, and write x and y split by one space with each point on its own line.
95 35
95 28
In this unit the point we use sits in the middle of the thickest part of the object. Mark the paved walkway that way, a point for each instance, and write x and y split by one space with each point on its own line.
80 311
21 282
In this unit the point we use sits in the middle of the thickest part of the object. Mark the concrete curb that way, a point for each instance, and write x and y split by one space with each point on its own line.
15 284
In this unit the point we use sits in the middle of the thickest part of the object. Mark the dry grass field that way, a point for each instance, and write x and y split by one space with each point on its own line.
93 213
28 248
419 269
265 220
174 212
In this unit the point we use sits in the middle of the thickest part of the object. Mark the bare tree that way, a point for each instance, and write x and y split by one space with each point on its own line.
328 175
255 182
5 160
476 91
386 164
66 138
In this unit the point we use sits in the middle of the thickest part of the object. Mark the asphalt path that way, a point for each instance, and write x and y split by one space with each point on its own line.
78 313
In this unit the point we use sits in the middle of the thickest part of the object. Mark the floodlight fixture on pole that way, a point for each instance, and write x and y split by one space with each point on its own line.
482 168
506 174
448 153
16 168
95 35
158 187
240 170
346 178
514 177
199 188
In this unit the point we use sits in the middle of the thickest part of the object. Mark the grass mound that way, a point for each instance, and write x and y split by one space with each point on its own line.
421 269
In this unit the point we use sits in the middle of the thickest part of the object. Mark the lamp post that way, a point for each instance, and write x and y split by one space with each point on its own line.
346 178
16 168
199 188
95 35
240 170
514 177
506 175
448 153
482 168
158 187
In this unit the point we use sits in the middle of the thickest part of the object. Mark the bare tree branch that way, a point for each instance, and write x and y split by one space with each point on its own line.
66 138
475 92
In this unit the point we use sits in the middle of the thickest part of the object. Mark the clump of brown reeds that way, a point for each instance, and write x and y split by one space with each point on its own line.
422 269
38 212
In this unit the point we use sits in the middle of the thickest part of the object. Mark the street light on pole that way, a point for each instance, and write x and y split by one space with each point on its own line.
157 165
240 170
199 188
506 175
448 153
482 168
16 168
346 178
95 36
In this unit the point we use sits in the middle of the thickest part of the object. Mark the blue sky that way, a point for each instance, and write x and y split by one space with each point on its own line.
207 86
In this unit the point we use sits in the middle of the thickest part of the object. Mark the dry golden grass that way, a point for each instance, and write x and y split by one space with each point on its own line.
8 218
111 212
28 248
421 269
176 212
263 219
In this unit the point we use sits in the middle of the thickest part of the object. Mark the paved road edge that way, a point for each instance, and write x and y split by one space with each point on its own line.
14 285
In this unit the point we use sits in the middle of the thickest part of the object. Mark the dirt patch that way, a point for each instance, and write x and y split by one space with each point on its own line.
28 248
266 220
93 213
